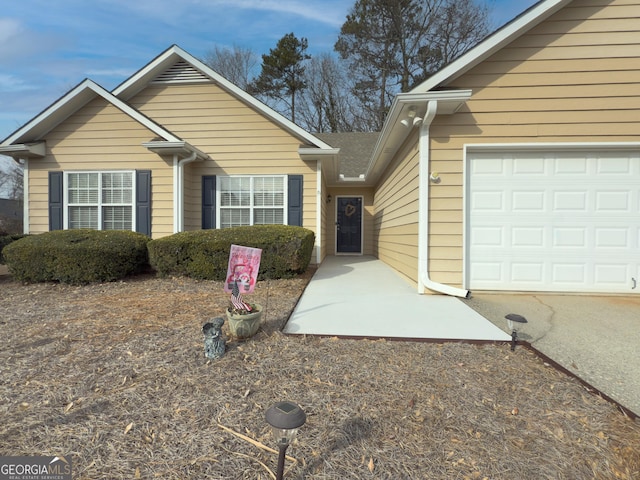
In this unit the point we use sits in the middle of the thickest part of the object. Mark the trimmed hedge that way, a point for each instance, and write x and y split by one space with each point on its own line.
6 240
77 256
204 254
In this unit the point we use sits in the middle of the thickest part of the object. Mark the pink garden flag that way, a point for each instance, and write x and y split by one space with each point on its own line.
244 263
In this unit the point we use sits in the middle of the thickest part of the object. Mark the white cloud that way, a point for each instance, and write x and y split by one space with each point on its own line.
330 13
10 83
9 28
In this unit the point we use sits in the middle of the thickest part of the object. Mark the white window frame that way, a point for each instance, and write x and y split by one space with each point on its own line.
251 207
99 204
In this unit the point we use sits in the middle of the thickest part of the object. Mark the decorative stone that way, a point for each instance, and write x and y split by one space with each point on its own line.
214 341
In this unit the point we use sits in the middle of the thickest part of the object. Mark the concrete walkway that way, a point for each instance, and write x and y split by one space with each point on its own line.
363 297
597 338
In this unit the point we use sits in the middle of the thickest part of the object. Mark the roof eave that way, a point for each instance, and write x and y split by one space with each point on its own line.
36 129
24 150
408 107
181 148
328 158
494 42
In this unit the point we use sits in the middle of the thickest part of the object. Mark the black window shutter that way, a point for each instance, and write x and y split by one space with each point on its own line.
294 211
143 202
208 202
56 196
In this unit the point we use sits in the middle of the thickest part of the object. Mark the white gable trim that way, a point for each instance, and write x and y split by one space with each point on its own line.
147 74
82 94
494 42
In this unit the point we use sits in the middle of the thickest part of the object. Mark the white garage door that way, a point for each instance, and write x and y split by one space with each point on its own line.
556 222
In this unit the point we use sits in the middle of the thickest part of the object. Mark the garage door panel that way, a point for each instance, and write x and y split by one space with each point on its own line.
527 272
528 237
527 166
492 201
569 237
528 201
613 201
615 165
612 238
568 201
570 166
570 274
545 222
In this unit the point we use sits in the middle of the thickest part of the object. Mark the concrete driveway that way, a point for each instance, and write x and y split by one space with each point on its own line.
595 337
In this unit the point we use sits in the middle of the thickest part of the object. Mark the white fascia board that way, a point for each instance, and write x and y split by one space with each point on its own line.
494 42
311 152
180 148
139 80
75 99
327 157
24 150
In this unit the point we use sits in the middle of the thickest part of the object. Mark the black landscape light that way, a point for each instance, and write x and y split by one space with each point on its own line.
285 419
511 318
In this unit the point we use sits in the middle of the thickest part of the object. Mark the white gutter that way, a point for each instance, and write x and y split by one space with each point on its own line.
178 206
424 281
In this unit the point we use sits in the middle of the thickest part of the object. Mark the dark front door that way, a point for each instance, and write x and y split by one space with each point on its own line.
349 225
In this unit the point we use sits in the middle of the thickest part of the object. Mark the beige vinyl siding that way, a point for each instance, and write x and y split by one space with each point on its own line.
368 246
396 213
547 86
85 141
238 139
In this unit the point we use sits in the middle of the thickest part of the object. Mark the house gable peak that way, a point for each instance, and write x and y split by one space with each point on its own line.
181 72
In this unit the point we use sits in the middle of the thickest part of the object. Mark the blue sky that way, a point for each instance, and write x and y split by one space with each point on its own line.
47 47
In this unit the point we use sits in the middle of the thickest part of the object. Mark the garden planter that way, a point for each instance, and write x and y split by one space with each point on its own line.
247 325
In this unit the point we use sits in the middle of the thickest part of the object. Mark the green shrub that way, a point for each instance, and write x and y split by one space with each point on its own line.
6 240
204 254
77 256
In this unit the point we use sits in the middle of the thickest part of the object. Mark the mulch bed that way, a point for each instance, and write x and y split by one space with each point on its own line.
115 376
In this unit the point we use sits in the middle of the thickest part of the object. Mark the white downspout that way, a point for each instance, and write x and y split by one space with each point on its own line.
423 230
25 195
320 206
178 193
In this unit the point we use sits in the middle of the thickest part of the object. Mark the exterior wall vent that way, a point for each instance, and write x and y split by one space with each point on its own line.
181 72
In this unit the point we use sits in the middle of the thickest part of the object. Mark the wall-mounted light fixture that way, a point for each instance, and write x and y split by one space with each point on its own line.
412 119
328 200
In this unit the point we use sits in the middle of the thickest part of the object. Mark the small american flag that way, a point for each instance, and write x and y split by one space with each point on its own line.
236 298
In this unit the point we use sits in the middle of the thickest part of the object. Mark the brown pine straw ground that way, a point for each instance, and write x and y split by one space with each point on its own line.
115 376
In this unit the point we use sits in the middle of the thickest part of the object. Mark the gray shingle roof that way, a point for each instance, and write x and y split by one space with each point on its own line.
356 149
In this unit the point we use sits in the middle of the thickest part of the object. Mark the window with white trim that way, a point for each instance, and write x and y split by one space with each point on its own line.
100 200
257 200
